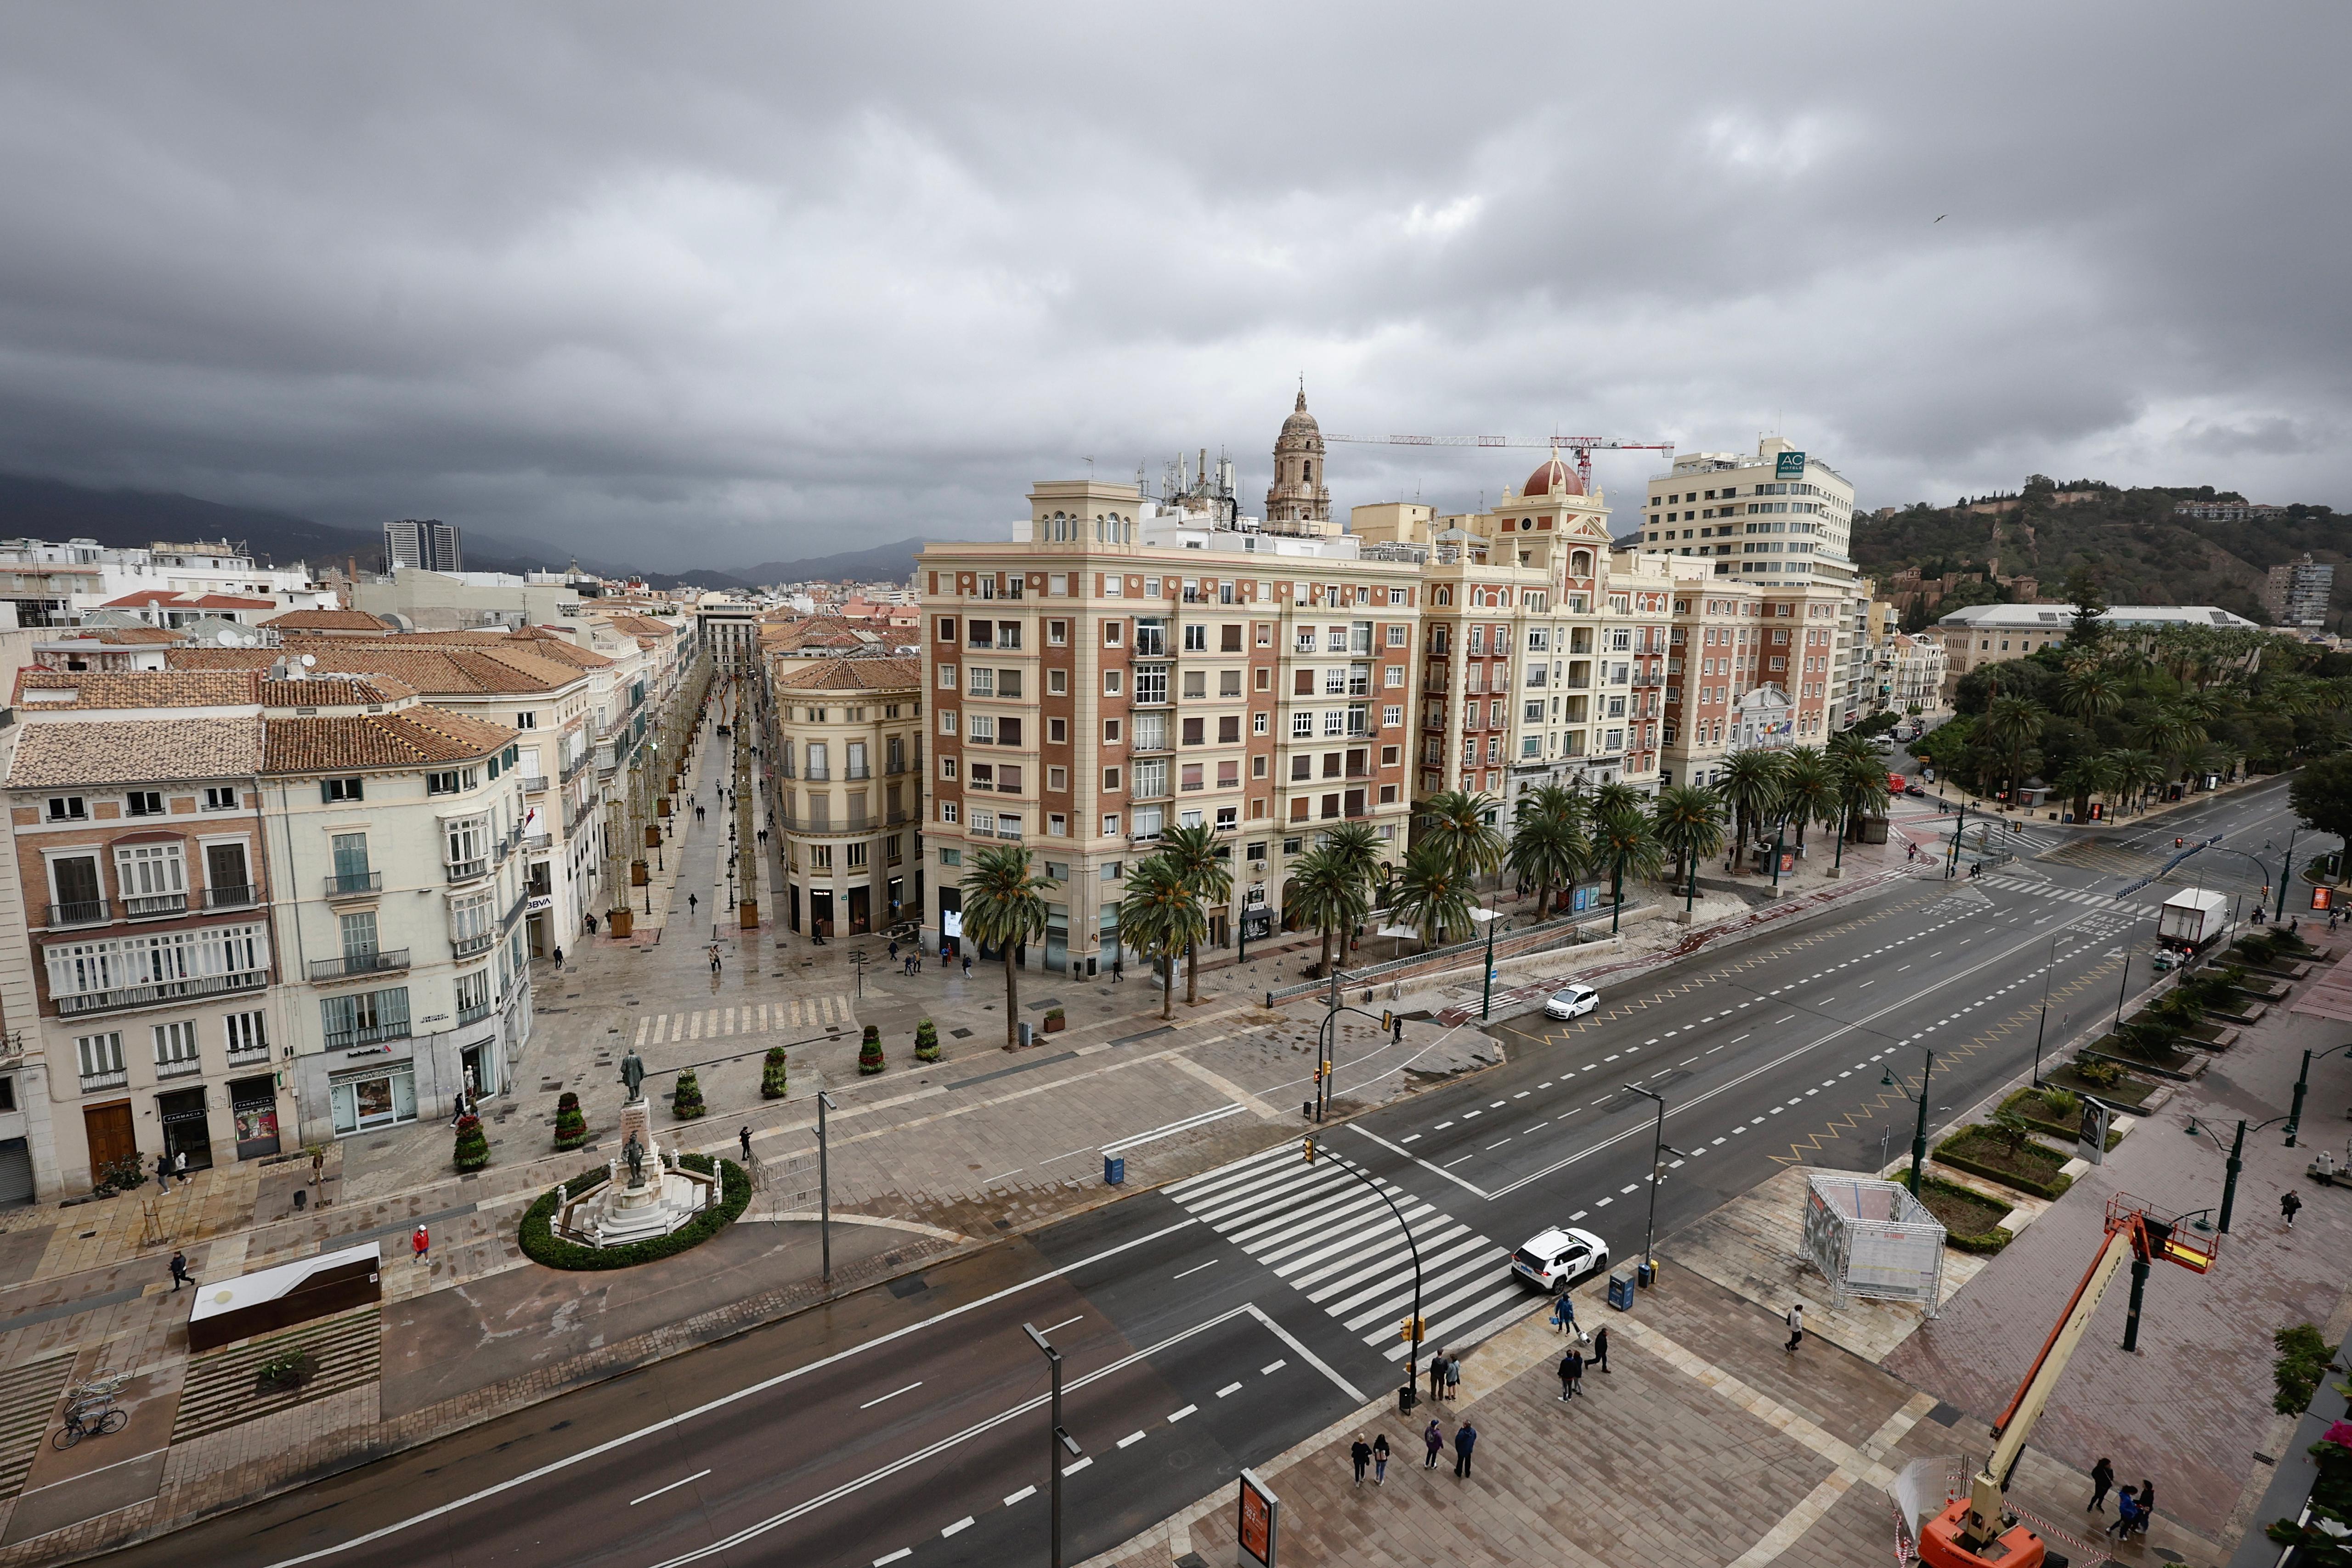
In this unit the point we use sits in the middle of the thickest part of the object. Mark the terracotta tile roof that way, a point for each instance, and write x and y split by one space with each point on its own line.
413 737
51 755
819 631
335 691
149 636
437 669
168 599
326 621
221 658
46 690
853 675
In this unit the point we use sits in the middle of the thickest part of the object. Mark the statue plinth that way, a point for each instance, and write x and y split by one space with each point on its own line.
637 1121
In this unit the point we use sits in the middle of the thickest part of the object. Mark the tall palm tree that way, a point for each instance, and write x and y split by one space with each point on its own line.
1434 895
1004 907
2084 777
1689 823
1862 789
1455 820
1160 916
2087 691
2012 725
1325 889
1750 785
1357 847
2137 772
1625 841
1809 789
1193 852
1547 851
2174 734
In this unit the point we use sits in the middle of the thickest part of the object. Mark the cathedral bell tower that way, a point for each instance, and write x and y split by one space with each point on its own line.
1299 501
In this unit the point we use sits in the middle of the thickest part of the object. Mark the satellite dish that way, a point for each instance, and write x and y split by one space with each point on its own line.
228 638
310 661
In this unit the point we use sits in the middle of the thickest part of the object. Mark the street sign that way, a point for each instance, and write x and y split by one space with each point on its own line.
1789 466
1258 1522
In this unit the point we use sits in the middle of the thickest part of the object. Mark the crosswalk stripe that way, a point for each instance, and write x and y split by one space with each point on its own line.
1316 1258
1225 1178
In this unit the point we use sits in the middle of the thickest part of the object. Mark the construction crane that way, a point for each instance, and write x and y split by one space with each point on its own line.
1582 446
1978 1531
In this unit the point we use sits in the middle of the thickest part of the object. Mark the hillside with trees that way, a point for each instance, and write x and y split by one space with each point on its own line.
2137 549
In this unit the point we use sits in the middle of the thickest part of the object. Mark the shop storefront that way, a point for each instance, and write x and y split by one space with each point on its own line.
253 1103
366 1099
187 1130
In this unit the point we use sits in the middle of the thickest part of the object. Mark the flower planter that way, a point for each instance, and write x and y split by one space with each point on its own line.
1054 1023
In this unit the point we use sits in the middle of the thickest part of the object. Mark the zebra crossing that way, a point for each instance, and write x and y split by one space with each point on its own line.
716 1023
1332 1240
2066 895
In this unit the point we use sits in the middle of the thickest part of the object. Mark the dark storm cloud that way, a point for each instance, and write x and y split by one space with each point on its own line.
717 284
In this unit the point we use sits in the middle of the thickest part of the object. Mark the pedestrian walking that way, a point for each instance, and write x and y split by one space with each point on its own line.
1452 1377
559 960
180 1168
164 1171
2103 1478
592 925
1433 1438
318 1165
1563 1313
1601 1348
1571 1372
1465 1437
2126 1513
2146 1506
743 1136
967 966
1118 968
1796 1327
180 1270
2289 1206
1362 1454
420 1243
691 901
1437 1375
1380 1460
894 950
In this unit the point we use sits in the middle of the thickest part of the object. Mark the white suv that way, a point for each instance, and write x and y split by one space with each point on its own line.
1571 1001
1554 1259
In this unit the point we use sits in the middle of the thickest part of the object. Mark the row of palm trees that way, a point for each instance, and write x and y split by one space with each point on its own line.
1560 836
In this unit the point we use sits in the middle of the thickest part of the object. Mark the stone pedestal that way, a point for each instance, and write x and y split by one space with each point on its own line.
636 1117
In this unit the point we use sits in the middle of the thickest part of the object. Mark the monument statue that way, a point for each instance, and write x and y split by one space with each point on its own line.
634 1153
633 1074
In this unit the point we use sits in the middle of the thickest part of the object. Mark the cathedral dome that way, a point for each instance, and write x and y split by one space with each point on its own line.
1301 423
1554 478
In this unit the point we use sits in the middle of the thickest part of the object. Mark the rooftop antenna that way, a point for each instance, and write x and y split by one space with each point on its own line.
1090 467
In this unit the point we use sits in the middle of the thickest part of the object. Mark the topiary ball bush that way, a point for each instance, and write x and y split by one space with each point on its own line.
771 1075
686 1100
927 1041
473 1150
571 1123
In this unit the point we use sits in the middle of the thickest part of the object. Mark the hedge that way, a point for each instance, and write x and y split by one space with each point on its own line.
1990 1241
2053 1188
543 1246
2052 1129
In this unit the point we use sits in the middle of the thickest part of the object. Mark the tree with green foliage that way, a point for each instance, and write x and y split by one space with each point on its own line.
1625 840
1547 848
773 1081
1004 907
2011 725
1861 788
1160 916
2083 593
1689 823
1750 785
2321 795
1434 895
686 1098
927 1041
1193 851
1456 821
1809 789
1326 891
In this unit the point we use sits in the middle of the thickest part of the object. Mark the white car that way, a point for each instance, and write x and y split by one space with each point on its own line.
1552 1260
1572 1001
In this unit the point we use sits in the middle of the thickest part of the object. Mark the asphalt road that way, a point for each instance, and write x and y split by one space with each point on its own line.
1212 1324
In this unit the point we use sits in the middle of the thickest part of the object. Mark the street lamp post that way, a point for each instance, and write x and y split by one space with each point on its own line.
1658 1152
1486 1000
1062 1441
1919 1137
2050 962
2303 1084
824 1188
1406 1396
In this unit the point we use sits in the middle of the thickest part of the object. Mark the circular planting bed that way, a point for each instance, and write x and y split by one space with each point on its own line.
541 1245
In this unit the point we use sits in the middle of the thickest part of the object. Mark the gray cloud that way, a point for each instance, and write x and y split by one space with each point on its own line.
708 287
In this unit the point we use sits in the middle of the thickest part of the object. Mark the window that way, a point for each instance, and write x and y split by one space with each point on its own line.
1113 631
1196 685
948 768
1196 638
1058 683
364 1018
473 995
67 808
333 791
175 1048
1195 731
1114 682
249 1034
441 784
946 721
1229 729
526 720
1391 715
1058 634
947 811
983 682
1150 683
358 932
947 632
1110 830
101 1058
947 678
983 729
466 841
1057 779
153 879
143 802
950 856
1110 779
1258 722
1151 778
1302 725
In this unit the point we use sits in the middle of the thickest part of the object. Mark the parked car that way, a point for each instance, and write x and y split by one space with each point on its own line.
1554 1260
1571 1001
1914 791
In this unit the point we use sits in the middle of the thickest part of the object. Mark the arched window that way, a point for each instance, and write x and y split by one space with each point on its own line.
1307 473
1580 565
1442 596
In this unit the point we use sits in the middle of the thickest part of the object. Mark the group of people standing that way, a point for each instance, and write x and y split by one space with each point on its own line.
2134 1505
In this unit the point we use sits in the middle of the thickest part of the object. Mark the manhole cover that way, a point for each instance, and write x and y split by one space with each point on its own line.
959 1034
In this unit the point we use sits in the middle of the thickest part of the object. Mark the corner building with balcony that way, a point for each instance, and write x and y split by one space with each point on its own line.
1122 667
845 766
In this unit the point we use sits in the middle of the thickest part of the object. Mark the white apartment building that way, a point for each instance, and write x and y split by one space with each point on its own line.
55 583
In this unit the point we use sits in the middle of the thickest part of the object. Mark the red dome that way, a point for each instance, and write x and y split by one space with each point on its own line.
1554 478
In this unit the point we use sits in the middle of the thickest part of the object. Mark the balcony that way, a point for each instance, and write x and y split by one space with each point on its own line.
534 783
231 898
819 772
83 912
382 961
466 946
354 884
468 870
147 906
537 843
857 772
248 1056
570 770
368 1035
472 1013
180 1066
93 1081
79 1004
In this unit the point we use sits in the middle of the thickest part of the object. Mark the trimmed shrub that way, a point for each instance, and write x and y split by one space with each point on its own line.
1985 1152
870 1052
2303 1358
686 1100
927 1041
2099 1075
2061 1103
771 1074
543 1246
1985 1241
473 1150
571 1123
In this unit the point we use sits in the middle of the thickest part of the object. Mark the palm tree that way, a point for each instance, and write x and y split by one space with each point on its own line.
1192 850
1325 889
1004 907
1750 785
1160 916
1625 841
1455 820
2086 691
1549 850
1809 789
2138 772
1862 790
1688 822
2084 777
2174 734
1357 847
2011 725
1434 895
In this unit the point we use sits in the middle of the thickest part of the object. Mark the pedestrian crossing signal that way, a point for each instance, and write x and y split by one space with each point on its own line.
1308 1148
1412 1330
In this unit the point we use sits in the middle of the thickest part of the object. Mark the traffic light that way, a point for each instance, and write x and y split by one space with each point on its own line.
1411 1330
1306 1146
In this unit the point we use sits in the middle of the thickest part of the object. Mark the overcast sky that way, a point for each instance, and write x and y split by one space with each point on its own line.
709 284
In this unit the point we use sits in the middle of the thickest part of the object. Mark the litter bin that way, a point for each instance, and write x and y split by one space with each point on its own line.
1114 1170
1620 1290
1024 1031
1644 1275
1407 1397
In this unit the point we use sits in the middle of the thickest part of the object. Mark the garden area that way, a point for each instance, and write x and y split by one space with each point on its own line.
2051 1111
1971 1221
2109 1081
2005 1152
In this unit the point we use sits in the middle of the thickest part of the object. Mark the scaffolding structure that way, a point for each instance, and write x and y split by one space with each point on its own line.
1872 1239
